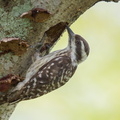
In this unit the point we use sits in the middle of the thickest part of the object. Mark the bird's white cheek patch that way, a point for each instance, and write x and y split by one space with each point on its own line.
83 53
73 54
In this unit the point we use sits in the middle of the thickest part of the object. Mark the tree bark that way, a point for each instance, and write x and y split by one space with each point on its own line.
25 23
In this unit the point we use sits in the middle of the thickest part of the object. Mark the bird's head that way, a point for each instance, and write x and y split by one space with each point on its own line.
78 45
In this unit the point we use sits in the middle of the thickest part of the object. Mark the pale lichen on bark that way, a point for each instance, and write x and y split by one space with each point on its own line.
10 23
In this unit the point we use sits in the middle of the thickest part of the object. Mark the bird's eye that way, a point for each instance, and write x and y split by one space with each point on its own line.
77 42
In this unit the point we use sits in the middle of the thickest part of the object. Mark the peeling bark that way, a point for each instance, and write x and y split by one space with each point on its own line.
14 45
37 15
9 81
45 32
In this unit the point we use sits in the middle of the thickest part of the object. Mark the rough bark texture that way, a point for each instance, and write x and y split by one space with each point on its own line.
18 20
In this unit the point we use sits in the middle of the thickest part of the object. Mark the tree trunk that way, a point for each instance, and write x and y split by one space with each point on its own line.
25 23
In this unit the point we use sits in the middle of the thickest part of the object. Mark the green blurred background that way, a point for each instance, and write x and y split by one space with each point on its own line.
93 93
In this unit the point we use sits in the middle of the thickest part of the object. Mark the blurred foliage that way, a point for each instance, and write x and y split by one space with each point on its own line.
93 93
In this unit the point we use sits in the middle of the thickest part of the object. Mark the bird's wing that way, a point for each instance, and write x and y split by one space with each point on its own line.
6 110
53 70
41 61
49 74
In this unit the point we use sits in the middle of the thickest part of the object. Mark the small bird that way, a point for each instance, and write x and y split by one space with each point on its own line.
52 71
47 73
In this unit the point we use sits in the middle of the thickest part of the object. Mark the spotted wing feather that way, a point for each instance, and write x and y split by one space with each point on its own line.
50 76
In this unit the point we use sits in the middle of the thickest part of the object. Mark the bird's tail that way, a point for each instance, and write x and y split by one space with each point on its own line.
6 110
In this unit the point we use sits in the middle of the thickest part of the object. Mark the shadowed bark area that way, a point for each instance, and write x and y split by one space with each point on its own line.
26 23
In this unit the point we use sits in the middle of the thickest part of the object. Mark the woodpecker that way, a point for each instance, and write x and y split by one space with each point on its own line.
52 71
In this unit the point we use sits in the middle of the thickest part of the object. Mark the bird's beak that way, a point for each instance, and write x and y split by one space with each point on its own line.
70 32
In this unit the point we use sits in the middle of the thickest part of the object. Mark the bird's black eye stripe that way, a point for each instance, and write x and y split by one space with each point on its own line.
78 42
78 38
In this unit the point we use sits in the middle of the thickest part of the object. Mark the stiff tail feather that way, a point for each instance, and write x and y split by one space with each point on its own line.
6 110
